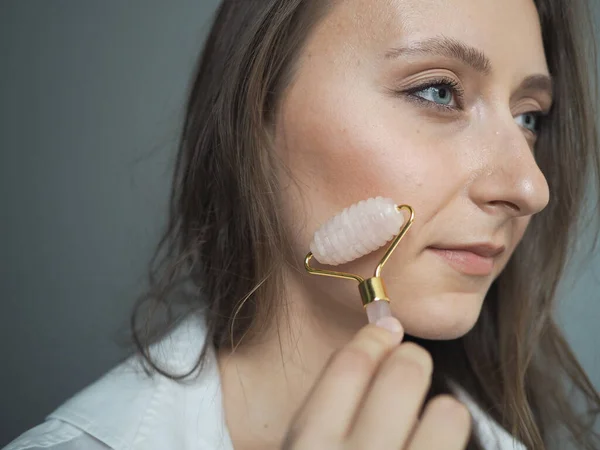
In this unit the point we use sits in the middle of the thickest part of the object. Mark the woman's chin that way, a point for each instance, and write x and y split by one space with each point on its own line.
441 317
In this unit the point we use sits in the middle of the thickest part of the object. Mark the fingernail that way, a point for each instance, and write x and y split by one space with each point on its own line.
391 324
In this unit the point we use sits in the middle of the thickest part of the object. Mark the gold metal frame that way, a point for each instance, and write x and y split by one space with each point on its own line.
371 289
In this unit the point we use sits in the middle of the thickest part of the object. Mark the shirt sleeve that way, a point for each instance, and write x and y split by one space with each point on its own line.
56 435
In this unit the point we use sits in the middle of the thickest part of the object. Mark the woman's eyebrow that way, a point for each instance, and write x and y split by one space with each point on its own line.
541 84
471 56
448 47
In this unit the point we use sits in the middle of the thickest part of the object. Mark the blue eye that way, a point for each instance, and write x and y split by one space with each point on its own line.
530 121
441 94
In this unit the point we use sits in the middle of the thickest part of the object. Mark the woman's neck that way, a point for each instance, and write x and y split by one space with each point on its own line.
266 381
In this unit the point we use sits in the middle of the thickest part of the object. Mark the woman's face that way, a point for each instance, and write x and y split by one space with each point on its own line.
434 104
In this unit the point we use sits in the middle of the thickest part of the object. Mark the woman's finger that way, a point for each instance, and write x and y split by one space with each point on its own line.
331 405
446 423
393 402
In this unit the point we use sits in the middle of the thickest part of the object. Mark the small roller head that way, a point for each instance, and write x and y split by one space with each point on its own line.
358 230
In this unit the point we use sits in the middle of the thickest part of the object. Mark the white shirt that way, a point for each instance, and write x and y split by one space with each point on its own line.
127 409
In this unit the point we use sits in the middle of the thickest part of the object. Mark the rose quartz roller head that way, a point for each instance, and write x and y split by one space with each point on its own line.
358 230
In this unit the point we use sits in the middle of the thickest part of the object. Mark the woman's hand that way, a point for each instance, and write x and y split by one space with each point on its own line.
369 397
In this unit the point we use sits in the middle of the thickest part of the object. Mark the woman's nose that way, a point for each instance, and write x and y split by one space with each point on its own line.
509 180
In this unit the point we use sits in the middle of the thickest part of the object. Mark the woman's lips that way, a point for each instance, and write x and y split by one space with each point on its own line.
475 260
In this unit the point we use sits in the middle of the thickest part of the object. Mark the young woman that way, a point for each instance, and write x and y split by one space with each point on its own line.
478 114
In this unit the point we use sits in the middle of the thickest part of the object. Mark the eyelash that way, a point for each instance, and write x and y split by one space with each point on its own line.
454 87
459 95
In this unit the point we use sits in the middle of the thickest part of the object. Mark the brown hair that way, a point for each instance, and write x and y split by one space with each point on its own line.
225 240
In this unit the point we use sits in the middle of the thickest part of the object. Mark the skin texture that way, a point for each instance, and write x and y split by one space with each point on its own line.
469 174
350 127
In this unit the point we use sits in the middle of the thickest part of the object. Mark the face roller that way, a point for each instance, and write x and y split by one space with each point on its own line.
358 230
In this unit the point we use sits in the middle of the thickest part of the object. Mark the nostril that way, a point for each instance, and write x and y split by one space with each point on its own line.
505 204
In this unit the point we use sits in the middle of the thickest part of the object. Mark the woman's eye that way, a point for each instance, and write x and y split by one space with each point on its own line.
529 121
440 94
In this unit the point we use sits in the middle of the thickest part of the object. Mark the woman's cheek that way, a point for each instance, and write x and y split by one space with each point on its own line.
344 145
370 154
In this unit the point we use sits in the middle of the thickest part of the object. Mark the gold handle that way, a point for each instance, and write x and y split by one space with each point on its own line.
372 289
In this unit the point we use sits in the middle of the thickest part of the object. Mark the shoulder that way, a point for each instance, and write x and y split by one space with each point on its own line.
56 435
130 409
491 435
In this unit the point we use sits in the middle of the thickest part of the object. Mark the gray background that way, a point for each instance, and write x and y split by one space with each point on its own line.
91 96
